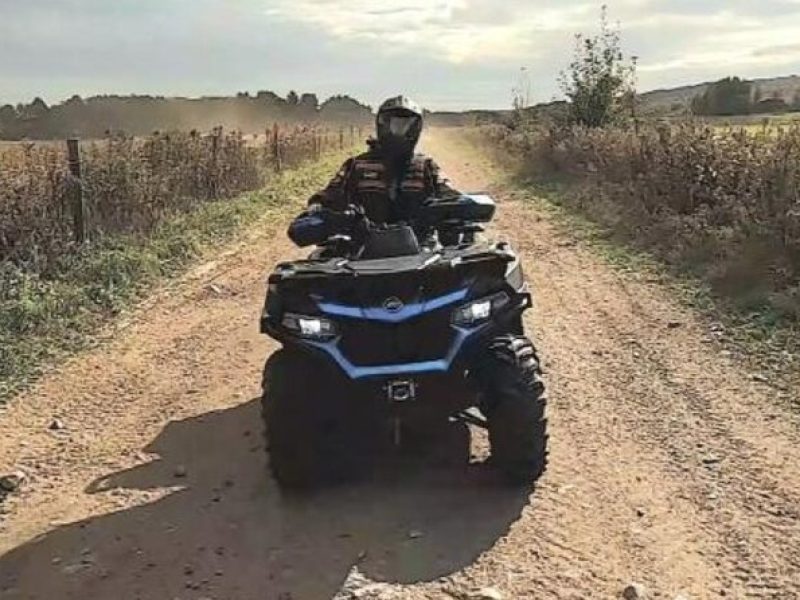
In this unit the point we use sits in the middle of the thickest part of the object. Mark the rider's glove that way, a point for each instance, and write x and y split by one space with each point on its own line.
318 224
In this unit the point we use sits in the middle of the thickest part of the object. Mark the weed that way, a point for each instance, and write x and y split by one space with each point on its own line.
43 316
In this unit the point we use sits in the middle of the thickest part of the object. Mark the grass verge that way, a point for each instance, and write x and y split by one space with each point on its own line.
44 319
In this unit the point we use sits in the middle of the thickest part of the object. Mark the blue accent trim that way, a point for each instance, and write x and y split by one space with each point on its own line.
339 310
442 301
409 311
419 368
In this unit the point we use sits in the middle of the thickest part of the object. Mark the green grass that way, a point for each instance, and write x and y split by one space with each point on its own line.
42 319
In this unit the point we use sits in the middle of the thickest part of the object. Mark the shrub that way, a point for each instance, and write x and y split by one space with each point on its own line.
130 184
599 83
723 204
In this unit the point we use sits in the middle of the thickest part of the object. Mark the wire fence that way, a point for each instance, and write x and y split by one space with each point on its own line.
55 196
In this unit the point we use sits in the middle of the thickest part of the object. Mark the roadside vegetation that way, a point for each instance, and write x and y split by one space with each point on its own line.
131 184
156 206
720 205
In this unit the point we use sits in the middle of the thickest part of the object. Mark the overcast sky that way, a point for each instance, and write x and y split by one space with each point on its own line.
445 53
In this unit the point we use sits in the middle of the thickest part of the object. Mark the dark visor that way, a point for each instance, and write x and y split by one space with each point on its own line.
399 124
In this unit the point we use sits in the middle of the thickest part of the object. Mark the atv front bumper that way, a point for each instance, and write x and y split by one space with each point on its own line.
465 343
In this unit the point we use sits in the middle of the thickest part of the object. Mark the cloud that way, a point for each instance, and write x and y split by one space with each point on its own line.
449 53
696 47
396 26
790 51
681 34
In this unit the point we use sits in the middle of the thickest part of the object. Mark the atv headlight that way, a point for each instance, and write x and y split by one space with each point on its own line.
315 328
480 310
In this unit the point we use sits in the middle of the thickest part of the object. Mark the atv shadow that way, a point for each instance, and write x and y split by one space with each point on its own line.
227 532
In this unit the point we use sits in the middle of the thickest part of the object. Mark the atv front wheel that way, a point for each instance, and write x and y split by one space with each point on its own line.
305 424
514 405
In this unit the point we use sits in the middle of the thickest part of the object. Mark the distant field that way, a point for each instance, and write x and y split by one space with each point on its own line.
749 121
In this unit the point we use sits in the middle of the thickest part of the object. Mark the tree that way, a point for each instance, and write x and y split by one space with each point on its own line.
726 97
36 109
521 91
309 101
345 109
292 98
75 101
268 97
8 121
599 83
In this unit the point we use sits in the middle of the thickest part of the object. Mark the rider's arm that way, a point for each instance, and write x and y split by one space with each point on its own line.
336 195
326 213
439 182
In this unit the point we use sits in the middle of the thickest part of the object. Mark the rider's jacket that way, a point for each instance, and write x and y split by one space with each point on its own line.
387 191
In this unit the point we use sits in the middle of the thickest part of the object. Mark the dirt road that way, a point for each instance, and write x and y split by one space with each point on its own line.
670 465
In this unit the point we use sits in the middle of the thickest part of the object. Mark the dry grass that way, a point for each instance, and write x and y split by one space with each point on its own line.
45 314
130 184
722 204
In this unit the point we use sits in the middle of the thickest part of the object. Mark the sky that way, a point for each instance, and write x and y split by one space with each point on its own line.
447 54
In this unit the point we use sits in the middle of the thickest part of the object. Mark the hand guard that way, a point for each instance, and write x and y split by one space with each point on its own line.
318 224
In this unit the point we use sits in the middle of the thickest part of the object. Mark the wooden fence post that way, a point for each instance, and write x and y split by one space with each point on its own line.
276 148
77 200
341 138
214 163
267 146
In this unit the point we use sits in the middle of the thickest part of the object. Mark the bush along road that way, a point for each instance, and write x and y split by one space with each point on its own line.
674 472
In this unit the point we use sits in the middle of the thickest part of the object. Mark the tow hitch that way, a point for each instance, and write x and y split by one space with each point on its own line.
401 391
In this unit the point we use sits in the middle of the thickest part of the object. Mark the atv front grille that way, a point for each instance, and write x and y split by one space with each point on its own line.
369 343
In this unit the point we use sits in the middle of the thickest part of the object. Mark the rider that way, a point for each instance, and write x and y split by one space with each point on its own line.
389 182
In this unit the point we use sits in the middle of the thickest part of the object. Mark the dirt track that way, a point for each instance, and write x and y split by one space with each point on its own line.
670 466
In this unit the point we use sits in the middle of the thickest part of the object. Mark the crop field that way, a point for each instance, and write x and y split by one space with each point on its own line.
771 120
755 124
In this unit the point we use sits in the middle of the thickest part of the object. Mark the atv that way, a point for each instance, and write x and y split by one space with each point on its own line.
384 336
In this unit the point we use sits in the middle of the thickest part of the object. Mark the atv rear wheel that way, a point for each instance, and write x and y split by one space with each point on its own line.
305 424
514 404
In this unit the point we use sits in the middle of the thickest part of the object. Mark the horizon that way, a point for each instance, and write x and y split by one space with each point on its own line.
322 98
449 55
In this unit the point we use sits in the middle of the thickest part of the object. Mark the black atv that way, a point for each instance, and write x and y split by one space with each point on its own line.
384 336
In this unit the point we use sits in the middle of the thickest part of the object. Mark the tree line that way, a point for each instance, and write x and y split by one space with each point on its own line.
734 96
141 115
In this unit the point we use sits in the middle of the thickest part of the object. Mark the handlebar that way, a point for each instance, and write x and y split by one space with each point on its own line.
452 216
